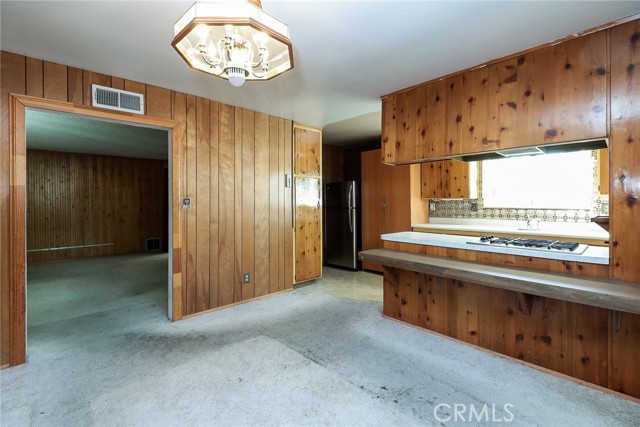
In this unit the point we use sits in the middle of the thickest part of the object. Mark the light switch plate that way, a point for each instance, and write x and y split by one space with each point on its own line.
287 180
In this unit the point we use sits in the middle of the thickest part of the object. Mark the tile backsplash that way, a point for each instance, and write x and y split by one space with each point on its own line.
474 209
463 208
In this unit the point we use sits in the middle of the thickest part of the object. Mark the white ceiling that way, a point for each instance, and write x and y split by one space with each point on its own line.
347 53
46 130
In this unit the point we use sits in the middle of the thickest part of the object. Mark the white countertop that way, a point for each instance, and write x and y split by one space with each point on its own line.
593 254
561 230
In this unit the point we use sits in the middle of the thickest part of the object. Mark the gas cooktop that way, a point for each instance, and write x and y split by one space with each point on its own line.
531 244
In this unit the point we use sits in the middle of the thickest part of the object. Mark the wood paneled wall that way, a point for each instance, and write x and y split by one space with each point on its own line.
342 164
233 166
574 339
624 152
577 340
84 199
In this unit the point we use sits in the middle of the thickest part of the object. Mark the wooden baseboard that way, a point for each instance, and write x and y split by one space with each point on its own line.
525 363
189 316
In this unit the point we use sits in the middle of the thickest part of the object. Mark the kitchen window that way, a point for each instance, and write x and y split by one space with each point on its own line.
550 181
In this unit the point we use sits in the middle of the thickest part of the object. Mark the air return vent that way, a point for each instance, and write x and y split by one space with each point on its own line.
153 244
116 99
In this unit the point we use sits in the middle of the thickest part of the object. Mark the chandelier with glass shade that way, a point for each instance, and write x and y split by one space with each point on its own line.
234 40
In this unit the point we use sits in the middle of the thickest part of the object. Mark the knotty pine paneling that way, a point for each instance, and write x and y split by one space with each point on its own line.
83 199
307 151
624 151
221 176
308 231
574 339
624 208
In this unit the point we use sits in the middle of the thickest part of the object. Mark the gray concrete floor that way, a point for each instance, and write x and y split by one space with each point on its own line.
102 352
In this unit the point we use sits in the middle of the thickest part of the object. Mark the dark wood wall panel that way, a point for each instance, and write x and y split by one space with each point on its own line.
343 164
262 205
574 339
82 199
233 164
12 80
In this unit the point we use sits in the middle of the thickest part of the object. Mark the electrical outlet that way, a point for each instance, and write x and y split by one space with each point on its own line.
474 206
432 206
246 278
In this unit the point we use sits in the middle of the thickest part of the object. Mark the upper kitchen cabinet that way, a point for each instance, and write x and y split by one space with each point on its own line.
307 148
550 95
562 92
493 124
399 127
444 180
431 113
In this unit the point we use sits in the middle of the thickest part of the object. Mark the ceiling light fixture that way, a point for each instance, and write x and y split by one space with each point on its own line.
234 40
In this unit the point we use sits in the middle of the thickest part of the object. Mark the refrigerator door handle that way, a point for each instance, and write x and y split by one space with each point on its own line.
350 196
351 219
324 233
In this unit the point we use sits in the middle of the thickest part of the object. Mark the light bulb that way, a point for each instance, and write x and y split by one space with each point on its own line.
260 38
236 76
211 50
202 31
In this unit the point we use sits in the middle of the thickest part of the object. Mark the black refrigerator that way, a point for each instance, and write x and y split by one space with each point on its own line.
342 224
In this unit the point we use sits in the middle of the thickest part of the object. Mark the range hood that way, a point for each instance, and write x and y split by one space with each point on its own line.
561 147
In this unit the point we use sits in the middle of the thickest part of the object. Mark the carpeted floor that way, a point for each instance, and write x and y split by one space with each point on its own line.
101 352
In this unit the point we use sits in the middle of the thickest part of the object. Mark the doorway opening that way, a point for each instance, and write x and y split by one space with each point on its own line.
19 104
97 223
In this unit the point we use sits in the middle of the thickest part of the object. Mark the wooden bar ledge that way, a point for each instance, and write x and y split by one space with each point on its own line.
610 294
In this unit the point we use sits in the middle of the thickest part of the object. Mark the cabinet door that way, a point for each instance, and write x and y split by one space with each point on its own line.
372 202
455 115
445 179
399 128
431 112
502 95
307 144
562 92
476 112
308 229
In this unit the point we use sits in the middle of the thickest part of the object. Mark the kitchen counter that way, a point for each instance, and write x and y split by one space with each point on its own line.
561 231
593 254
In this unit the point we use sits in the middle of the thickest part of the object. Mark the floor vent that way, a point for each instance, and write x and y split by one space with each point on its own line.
153 244
116 99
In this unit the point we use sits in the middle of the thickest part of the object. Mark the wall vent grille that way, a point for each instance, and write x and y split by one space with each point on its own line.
116 99
153 244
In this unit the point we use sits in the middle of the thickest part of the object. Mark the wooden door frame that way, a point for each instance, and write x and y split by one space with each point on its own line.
17 206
